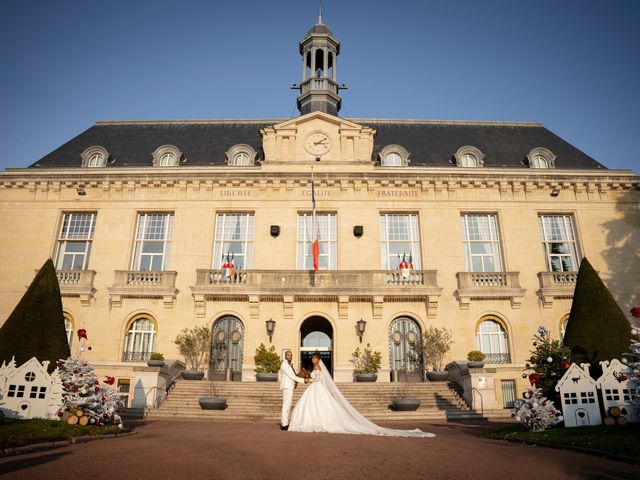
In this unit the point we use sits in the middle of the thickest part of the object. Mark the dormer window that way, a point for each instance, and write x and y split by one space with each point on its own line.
167 156
394 156
469 157
541 158
241 155
94 157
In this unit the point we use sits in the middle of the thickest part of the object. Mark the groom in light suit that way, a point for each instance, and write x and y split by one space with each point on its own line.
288 380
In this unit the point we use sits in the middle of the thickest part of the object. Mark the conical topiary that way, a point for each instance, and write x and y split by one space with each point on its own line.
597 329
35 328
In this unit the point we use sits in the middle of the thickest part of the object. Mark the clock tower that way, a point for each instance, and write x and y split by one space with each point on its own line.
319 88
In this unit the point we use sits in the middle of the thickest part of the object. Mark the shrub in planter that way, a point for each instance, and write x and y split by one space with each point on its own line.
436 342
156 360
194 344
475 359
366 364
267 364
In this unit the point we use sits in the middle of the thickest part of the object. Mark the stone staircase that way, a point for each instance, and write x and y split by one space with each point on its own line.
262 401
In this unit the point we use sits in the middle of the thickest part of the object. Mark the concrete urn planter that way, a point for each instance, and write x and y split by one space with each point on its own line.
155 363
212 403
475 364
438 376
192 375
406 404
266 377
366 377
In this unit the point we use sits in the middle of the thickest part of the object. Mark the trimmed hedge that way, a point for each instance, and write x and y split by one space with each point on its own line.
35 328
597 329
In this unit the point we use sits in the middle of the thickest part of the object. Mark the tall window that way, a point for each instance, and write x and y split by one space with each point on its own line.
140 341
559 243
153 241
399 236
481 243
74 241
68 327
326 241
233 237
492 340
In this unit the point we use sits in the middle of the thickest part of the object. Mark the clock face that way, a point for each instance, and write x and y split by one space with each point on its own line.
317 144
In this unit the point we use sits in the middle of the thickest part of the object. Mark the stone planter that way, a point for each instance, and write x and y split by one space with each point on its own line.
192 375
155 363
475 364
438 376
366 377
212 403
406 404
266 377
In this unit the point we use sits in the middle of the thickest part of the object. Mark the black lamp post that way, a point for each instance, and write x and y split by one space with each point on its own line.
360 326
271 326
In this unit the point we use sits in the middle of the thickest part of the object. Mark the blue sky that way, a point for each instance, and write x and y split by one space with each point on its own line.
572 65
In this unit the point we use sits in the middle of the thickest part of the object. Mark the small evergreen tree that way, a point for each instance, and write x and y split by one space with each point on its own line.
267 361
597 329
35 328
549 360
536 412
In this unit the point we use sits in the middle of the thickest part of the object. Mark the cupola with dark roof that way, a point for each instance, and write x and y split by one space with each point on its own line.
319 90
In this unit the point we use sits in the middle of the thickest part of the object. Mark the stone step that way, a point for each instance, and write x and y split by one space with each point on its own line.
391 416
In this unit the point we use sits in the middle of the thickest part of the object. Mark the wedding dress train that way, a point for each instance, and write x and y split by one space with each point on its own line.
323 408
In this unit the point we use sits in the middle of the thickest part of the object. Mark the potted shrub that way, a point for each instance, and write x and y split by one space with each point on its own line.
436 342
212 401
194 344
366 364
267 364
475 359
402 402
156 360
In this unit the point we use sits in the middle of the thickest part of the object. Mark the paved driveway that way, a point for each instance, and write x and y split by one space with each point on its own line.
163 450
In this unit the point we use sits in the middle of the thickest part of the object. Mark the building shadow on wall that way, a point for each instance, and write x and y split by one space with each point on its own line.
622 254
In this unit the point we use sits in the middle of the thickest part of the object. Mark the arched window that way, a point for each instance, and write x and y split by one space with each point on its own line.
95 160
468 160
392 160
492 340
168 160
241 155
540 157
241 159
394 156
140 341
68 327
94 157
539 162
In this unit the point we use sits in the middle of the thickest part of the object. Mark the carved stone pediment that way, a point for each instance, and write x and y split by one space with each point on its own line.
318 135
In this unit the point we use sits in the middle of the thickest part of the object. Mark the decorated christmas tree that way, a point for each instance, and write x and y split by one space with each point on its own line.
536 412
83 392
549 360
633 359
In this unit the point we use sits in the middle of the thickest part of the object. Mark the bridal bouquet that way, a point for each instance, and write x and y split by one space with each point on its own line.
304 373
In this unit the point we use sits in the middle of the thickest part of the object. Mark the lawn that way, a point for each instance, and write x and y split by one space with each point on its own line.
619 439
17 433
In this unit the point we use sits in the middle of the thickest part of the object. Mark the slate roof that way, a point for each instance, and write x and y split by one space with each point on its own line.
430 143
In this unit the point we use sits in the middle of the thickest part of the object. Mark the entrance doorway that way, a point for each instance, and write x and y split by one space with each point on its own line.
316 335
225 360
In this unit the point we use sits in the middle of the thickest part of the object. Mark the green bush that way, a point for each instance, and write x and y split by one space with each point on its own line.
266 361
156 356
475 356
194 344
35 328
367 361
597 329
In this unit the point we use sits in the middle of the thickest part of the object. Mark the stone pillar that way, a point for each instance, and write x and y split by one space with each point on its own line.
313 62
325 72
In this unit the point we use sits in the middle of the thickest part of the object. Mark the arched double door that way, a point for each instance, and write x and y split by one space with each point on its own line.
225 359
404 346
316 335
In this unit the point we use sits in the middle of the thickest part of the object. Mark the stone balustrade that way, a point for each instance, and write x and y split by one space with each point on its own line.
489 286
143 284
556 285
77 283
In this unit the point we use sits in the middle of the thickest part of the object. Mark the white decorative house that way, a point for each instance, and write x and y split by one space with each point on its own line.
578 391
29 391
617 389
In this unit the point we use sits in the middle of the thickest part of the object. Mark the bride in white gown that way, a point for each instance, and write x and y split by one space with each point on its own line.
323 408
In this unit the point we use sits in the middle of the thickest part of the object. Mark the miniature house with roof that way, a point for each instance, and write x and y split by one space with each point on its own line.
578 392
618 390
29 391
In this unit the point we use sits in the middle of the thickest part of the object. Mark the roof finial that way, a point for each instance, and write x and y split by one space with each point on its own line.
320 14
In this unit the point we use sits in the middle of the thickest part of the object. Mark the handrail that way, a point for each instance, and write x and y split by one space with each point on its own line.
473 392
164 392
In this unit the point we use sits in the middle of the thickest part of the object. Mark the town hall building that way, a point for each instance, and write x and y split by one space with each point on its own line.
155 226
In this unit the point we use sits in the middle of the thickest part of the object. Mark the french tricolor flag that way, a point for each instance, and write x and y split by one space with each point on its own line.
315 247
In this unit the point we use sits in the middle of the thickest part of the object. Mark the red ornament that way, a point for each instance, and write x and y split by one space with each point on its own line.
82 333
635 311
565 365
534 378
75 389
97 389
109 380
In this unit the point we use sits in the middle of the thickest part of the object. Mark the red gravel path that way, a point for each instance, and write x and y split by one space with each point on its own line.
163 450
